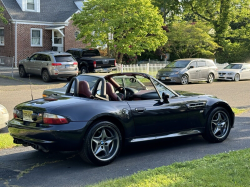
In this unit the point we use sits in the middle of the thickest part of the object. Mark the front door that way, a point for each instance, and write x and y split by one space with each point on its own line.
57 40
194 71
152 117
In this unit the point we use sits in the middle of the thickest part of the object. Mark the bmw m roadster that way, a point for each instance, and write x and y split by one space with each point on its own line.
118 108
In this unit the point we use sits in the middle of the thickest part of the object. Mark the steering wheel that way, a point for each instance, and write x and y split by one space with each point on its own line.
121 89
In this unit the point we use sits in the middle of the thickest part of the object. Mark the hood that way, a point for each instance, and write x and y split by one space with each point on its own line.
58 91
166 69
186 93
229 70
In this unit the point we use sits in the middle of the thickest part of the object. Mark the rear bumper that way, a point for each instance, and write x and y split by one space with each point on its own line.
105 70
67 137
55 74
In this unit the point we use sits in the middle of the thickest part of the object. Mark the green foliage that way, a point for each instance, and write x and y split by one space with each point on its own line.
128 27
6 141
187 40
2 18
226 169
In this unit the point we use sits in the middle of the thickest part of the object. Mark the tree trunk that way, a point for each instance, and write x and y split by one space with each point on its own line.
120 58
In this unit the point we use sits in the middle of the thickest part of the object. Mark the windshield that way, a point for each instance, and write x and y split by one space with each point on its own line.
233 66
129 82
178 64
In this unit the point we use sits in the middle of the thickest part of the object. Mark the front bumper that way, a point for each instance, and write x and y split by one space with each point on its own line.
67 137
226 77
171 78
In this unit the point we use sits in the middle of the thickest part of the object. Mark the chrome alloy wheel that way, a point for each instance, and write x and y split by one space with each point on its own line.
105 143
236 77
220 124
210 78
184 79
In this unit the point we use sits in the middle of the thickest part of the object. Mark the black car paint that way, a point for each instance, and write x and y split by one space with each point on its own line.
82 112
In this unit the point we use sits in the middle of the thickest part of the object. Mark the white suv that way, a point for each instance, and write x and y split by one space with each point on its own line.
50 65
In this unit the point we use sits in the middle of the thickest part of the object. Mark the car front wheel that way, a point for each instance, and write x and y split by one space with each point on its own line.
218 125
210 78
102 143
184 79
237 77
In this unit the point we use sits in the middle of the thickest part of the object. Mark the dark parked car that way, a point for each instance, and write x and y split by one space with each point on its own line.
89 60
118 109
189 70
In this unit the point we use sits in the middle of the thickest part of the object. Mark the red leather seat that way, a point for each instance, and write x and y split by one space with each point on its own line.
111 92
84 90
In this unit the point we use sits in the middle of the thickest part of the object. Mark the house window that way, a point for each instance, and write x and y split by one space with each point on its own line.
36 37
77 33
1 36
30 4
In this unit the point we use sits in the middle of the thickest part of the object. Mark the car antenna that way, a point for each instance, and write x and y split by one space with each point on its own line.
30 88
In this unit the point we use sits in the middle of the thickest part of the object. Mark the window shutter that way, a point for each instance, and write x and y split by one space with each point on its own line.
38 5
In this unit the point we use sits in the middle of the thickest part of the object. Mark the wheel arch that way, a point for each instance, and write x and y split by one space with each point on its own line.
43 70
111 119
225 106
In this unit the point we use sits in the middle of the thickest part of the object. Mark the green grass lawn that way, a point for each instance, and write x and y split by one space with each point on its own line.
226 169
6 141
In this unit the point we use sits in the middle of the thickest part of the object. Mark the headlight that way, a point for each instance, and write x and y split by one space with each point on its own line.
175 73
230 73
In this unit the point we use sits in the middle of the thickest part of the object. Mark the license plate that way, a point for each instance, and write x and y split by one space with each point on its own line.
163 78
105 69
67 66
27 115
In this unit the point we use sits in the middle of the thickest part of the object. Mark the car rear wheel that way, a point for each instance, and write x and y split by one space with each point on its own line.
184 79
22 72
210 78
102 143
84 70
218 126
237 77
45 76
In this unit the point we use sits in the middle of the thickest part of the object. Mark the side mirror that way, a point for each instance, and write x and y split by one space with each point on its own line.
165 97
28 58
191 67
243 69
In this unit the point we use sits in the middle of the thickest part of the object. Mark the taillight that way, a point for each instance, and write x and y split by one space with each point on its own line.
54 119
115 62
15 114
56 64
75 63
94 64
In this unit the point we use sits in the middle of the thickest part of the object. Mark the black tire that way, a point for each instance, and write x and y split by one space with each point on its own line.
103 137
45 76
184 79
237 77
210 78
84 70
22 72
218 125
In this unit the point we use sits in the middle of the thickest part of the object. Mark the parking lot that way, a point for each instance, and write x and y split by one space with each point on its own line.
21 165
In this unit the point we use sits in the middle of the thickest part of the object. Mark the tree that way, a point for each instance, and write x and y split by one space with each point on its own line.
219 13
2 18
127 27
187 39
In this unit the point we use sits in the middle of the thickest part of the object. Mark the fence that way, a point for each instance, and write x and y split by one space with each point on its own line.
7 61
149 68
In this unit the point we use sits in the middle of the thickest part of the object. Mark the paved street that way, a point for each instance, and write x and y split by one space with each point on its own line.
23 166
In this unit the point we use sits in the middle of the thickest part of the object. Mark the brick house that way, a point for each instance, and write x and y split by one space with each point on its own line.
37 25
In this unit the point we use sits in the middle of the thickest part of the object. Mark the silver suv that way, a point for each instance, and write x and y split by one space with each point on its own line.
50 65
189 70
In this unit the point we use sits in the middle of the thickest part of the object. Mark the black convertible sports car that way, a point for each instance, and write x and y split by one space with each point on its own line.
118 109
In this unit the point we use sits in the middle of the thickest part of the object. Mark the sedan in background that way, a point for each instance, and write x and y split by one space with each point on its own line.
235 72
118 110
188 70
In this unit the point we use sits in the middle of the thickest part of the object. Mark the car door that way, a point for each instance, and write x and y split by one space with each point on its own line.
245 72
152 117
194 71
30 64
37 65
203 70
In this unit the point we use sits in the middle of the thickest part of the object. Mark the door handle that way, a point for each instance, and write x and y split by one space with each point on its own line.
140 109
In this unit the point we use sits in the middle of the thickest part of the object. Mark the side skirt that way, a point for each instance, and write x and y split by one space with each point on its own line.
182 133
